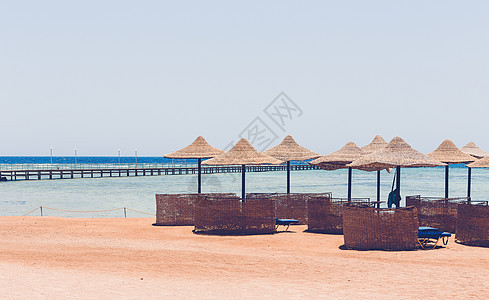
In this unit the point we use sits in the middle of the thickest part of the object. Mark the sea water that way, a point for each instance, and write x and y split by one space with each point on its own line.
138 193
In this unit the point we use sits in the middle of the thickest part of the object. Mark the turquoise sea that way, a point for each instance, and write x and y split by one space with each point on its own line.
138 193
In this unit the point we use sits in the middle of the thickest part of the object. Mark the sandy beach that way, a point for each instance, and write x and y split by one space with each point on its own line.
48 257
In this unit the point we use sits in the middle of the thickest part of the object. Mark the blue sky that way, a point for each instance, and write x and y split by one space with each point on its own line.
153 75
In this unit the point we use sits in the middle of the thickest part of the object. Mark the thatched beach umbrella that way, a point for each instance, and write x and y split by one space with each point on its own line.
378 143
339 160
472 149
199 149
481 163
242 154
289 150
396 154
448 153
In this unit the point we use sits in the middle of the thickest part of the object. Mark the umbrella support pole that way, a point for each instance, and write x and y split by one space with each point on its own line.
288 177
469 182
398 182
446 181
199 176
378 189
349 184
243 172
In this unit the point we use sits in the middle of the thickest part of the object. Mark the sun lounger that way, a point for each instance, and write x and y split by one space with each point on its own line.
430 235
285 222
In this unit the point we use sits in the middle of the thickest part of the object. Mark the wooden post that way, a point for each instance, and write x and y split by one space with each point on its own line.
446 181
243 192
349 183
398 183
378 189
469 182
199 176
288 177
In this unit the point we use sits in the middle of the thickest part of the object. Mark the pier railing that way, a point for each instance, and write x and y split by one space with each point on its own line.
93 166
65 171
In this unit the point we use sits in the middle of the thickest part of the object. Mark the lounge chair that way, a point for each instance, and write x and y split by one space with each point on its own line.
430 235
285 222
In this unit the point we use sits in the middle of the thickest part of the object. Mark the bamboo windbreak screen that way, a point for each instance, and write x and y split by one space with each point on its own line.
325 214
290 206
367 228
440 213
473 224
224 215
178 209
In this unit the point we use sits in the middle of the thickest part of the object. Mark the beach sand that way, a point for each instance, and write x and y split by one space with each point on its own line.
48 257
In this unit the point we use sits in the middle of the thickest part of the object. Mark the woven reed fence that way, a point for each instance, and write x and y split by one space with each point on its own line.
368 228
473 224
231 216
325 214
289 206
440 213
178 209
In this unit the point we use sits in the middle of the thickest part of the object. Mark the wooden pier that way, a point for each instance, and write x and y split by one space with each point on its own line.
13 175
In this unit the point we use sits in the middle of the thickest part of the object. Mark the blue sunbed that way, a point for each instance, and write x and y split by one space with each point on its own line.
285 222
432 235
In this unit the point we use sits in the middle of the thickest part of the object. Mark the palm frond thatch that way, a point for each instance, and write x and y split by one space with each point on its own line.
198 149
396 153
289 150
243 153
339 159
378 143
472 149
448 153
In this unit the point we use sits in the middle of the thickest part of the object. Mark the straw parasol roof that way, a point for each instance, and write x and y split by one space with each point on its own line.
242 153
396 153
337 160
448 153
481 163
378 143
472 149
198 149
289 150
